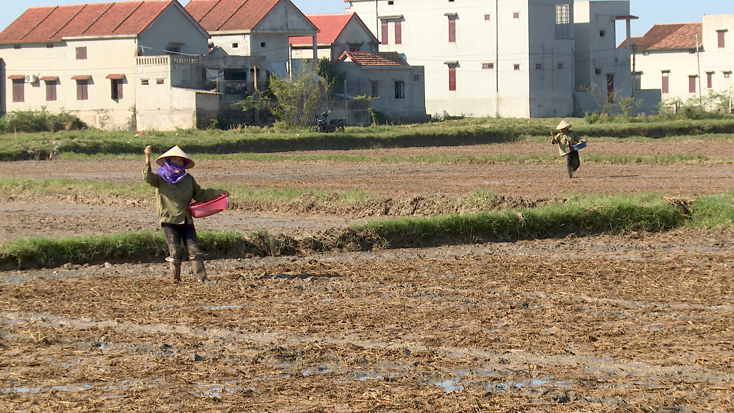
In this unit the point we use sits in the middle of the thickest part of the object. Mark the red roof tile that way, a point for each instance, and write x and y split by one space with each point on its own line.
364 58
229 15
331 26
52 23
669 36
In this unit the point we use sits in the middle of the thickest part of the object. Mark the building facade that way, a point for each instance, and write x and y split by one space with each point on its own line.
136 65
394 87
686 60
501 58
338 33
254 28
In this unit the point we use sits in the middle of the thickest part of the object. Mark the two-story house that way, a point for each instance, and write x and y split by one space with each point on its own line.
501 58
129 65
686 60
254 28
338 33
81 58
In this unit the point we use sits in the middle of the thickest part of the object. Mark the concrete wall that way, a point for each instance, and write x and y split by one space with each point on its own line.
174 27
167 109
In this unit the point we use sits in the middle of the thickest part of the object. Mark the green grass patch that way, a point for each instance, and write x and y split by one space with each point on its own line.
41 145
580 215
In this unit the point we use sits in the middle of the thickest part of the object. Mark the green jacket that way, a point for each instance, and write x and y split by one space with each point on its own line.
565 141
172 201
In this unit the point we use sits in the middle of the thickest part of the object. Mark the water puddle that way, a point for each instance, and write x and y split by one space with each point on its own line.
222 307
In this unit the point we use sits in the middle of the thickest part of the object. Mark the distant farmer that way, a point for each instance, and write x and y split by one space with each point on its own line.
175 189
565 139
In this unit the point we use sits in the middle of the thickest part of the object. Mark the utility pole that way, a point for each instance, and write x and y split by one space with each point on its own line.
698 63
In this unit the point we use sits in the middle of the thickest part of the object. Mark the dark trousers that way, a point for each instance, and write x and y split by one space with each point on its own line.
572 162
178 234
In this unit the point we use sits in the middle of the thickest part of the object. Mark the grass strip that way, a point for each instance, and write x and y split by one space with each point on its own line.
43 145
582 215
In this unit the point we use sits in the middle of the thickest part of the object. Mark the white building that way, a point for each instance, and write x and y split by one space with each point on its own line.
501 58
686 60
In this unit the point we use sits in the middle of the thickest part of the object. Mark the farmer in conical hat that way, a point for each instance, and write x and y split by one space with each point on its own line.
565 139
175 188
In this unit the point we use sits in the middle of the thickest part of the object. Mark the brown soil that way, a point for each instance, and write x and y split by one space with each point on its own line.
634 323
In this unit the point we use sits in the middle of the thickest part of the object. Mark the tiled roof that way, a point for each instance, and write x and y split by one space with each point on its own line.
364 58
669 36
331 26
52 23
229 15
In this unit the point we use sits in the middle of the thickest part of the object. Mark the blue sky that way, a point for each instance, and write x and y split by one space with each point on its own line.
648 11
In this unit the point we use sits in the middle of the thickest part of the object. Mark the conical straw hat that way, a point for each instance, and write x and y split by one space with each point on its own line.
563 124
175 151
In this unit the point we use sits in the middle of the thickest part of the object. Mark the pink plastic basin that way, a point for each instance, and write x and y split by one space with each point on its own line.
204 209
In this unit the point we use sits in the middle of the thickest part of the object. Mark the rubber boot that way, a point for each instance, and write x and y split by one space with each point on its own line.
197 267
175 271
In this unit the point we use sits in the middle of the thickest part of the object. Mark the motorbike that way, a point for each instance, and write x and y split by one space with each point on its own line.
326 125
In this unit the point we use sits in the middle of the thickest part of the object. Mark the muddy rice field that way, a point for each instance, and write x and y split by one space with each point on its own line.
628 323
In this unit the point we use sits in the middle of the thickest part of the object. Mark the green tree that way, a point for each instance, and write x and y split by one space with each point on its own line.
294 102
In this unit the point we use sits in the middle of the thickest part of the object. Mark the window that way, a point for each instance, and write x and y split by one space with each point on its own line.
18 90
452 29
452 78
399 89
692 84
487 65
383 29
51 90
538 66
517 66
487 17
159 81
726 75
721 34
416 78
564 28
638 80
116 89
82 89
646 53
173 48
664 88
144 82
560 66
398 33
81 53
602 33
516 15
709 79
375 90
262 44
235 45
